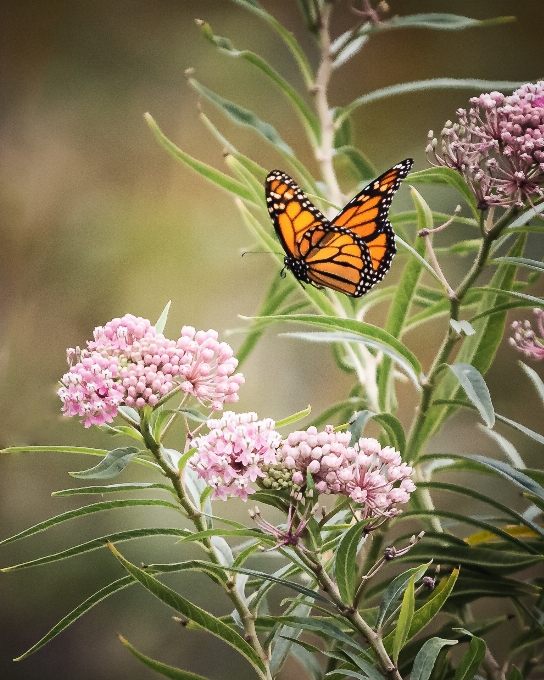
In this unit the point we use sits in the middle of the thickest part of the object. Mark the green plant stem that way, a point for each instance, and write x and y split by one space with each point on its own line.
351 614
415 442
325 152
246 616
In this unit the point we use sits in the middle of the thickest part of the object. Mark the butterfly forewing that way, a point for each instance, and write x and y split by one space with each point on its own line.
349 254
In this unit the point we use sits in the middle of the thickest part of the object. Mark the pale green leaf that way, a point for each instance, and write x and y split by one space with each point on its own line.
426 657
472 382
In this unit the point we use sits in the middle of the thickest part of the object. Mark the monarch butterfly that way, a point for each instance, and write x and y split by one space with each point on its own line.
348 254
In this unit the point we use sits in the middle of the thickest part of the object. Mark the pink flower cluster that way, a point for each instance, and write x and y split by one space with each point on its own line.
368 474
524 338
498 146
233 453
130 363
240 450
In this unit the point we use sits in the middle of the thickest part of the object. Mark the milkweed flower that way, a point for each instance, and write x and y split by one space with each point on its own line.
524 338
374 477
498 146
129 363
231 456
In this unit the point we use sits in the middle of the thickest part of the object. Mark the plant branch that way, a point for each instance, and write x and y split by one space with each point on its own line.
325 152
246 616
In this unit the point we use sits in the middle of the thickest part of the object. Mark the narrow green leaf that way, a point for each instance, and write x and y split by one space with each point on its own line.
161 668
429 610
192 612
96 544
360 328
161 321
527 216
242 116
440 21
514 293
349 51
110 466
87 510
411 217
363 168
511 474
282 639
464 491
111 488
473 657
431 84
443 176
345 565
395 589
369 671
522 261
508 448
295 417
340 336
472 382
521 428
426 657
288 38
534 378
323 628
207 171
281 581
309 120
400 634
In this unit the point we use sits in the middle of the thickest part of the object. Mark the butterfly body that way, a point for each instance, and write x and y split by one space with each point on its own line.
348 254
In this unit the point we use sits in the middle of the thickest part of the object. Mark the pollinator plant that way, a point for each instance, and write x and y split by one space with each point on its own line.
343 495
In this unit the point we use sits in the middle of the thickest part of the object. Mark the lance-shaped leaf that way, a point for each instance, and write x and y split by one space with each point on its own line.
110 466
359 328
87 510
192 612
161 668
431 84
309 120
111 488
218 178
535 379
362 167
522 262
443 176
395 589
471 660
288 38
527 216
161 321
406 614
345 565
472 382
439 21
323 628
429 610
426 658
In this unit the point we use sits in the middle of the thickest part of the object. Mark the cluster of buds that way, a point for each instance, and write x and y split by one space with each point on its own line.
524 338
130 363
240 450
498 147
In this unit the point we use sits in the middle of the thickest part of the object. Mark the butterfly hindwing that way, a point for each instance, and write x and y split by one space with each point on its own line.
349 254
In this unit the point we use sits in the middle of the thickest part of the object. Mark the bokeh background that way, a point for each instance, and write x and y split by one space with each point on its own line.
96 220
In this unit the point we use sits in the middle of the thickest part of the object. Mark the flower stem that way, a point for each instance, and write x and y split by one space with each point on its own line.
246 616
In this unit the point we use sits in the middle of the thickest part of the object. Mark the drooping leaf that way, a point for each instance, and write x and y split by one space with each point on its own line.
86 510
110 466
472 382
218 178
159 667
534 378
192 612
443 176
426 658
289 420
307 117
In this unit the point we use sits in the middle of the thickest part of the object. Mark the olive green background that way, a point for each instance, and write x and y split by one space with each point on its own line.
96 221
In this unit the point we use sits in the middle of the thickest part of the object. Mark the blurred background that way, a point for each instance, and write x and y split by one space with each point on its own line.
96 221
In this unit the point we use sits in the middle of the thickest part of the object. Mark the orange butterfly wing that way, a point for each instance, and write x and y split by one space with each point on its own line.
366 216
350 254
